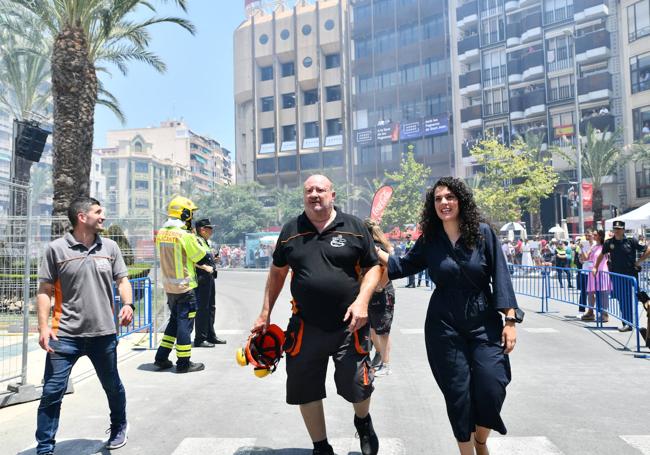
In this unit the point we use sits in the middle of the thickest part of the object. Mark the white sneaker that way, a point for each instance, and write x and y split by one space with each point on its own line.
383 370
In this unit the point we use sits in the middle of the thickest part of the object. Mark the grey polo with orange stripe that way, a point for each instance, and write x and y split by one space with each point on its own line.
326 267
83 285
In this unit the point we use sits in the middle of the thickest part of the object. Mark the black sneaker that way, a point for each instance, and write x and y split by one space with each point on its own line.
367 436
625 328
190 368
118 437
163 364
328 451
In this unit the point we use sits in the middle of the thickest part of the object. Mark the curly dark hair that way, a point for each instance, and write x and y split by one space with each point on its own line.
470 216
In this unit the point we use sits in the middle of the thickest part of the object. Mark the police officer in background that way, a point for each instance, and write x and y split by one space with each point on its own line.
622 259
204 336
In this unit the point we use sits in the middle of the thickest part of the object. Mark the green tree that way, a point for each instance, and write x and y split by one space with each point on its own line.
85 35
116 233
513 178
288 203
409 184
235 210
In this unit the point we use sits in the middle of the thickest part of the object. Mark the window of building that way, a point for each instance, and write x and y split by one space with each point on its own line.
306 29
329 24
408 34
640 72
409 73
332 61
495 102
266 73
333 159
266 166
638 20
361 12
384 42
557 10
334 127
287 164
268 135
142 167
386 153
559 53
267 104
288 69
310 97
365 83
384 7
311 129
411 110
137 148
264 38
435 104
284 34
492 30
387 78
307 62
365 155
141 184
333 93
288 100
641 120
289 133
560 88
432 67
362 47
433 27
563 124
310 161
494 67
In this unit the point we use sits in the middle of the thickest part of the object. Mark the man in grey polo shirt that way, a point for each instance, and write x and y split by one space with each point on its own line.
78 270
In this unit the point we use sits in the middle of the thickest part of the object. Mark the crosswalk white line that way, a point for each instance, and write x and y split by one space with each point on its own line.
535 445
539 330
639 442
216 446
387 446
412 331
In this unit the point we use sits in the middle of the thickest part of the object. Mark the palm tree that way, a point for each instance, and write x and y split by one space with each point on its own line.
86 34
601 156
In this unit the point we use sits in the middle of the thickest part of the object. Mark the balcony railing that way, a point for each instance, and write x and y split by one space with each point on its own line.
600 122
594 40
558 15
514 67
492 11
532 21
581 5
471 78
466 10
495 108
562 92
560 64
594 83
467 44
471 113
516 103
513 30
532 60
534 98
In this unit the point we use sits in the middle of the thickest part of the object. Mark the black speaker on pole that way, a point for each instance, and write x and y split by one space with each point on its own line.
30 140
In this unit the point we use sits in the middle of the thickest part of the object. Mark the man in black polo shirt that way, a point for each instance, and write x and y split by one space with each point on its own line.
622 259
327 250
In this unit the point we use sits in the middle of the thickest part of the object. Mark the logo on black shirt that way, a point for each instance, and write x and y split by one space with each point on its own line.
338 241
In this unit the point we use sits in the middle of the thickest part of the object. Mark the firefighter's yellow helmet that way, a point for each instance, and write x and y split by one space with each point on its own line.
182 208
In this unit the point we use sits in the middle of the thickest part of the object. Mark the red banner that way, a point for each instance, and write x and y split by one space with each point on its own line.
587 196
379 202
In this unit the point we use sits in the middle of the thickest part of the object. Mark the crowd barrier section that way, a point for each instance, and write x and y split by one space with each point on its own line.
607 294
142 313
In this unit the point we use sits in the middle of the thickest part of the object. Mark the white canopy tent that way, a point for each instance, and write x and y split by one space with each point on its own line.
635 219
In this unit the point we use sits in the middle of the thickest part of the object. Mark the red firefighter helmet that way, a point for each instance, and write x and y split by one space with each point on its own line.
263 351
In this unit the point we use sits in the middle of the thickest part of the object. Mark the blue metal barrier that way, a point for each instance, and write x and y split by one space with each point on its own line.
606 294
142 317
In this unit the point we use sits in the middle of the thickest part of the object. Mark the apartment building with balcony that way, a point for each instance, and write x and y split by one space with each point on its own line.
515 65
635 69
401 92
292 92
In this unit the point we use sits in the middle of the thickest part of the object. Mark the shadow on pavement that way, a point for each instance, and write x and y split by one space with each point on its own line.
268 451
152 367
76 447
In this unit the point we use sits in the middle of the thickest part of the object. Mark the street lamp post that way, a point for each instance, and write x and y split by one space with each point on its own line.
581 215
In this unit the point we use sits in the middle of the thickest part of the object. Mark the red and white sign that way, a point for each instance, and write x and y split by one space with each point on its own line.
380 202
587 196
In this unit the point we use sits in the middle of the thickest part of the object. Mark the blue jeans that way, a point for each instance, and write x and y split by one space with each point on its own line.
102 352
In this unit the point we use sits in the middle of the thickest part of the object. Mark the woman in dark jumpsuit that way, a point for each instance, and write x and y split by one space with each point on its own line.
466 340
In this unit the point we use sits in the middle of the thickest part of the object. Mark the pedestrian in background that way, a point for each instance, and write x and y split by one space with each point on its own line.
79 270
179 253
622 260
381 307
562 258
466 339
599 285
327 251
407 247
204 335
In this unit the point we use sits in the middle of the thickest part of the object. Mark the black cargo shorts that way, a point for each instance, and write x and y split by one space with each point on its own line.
308 354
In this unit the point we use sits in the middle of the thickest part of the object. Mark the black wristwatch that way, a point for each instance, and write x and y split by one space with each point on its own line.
131 305
511 319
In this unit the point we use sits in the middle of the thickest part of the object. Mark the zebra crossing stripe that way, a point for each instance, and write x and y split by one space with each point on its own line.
217 446
412 331
536 445
387 446
639 442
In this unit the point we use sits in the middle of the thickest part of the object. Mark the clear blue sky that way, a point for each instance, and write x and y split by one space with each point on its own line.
198 84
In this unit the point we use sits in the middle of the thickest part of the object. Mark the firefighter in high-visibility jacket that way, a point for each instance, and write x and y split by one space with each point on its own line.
179 254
